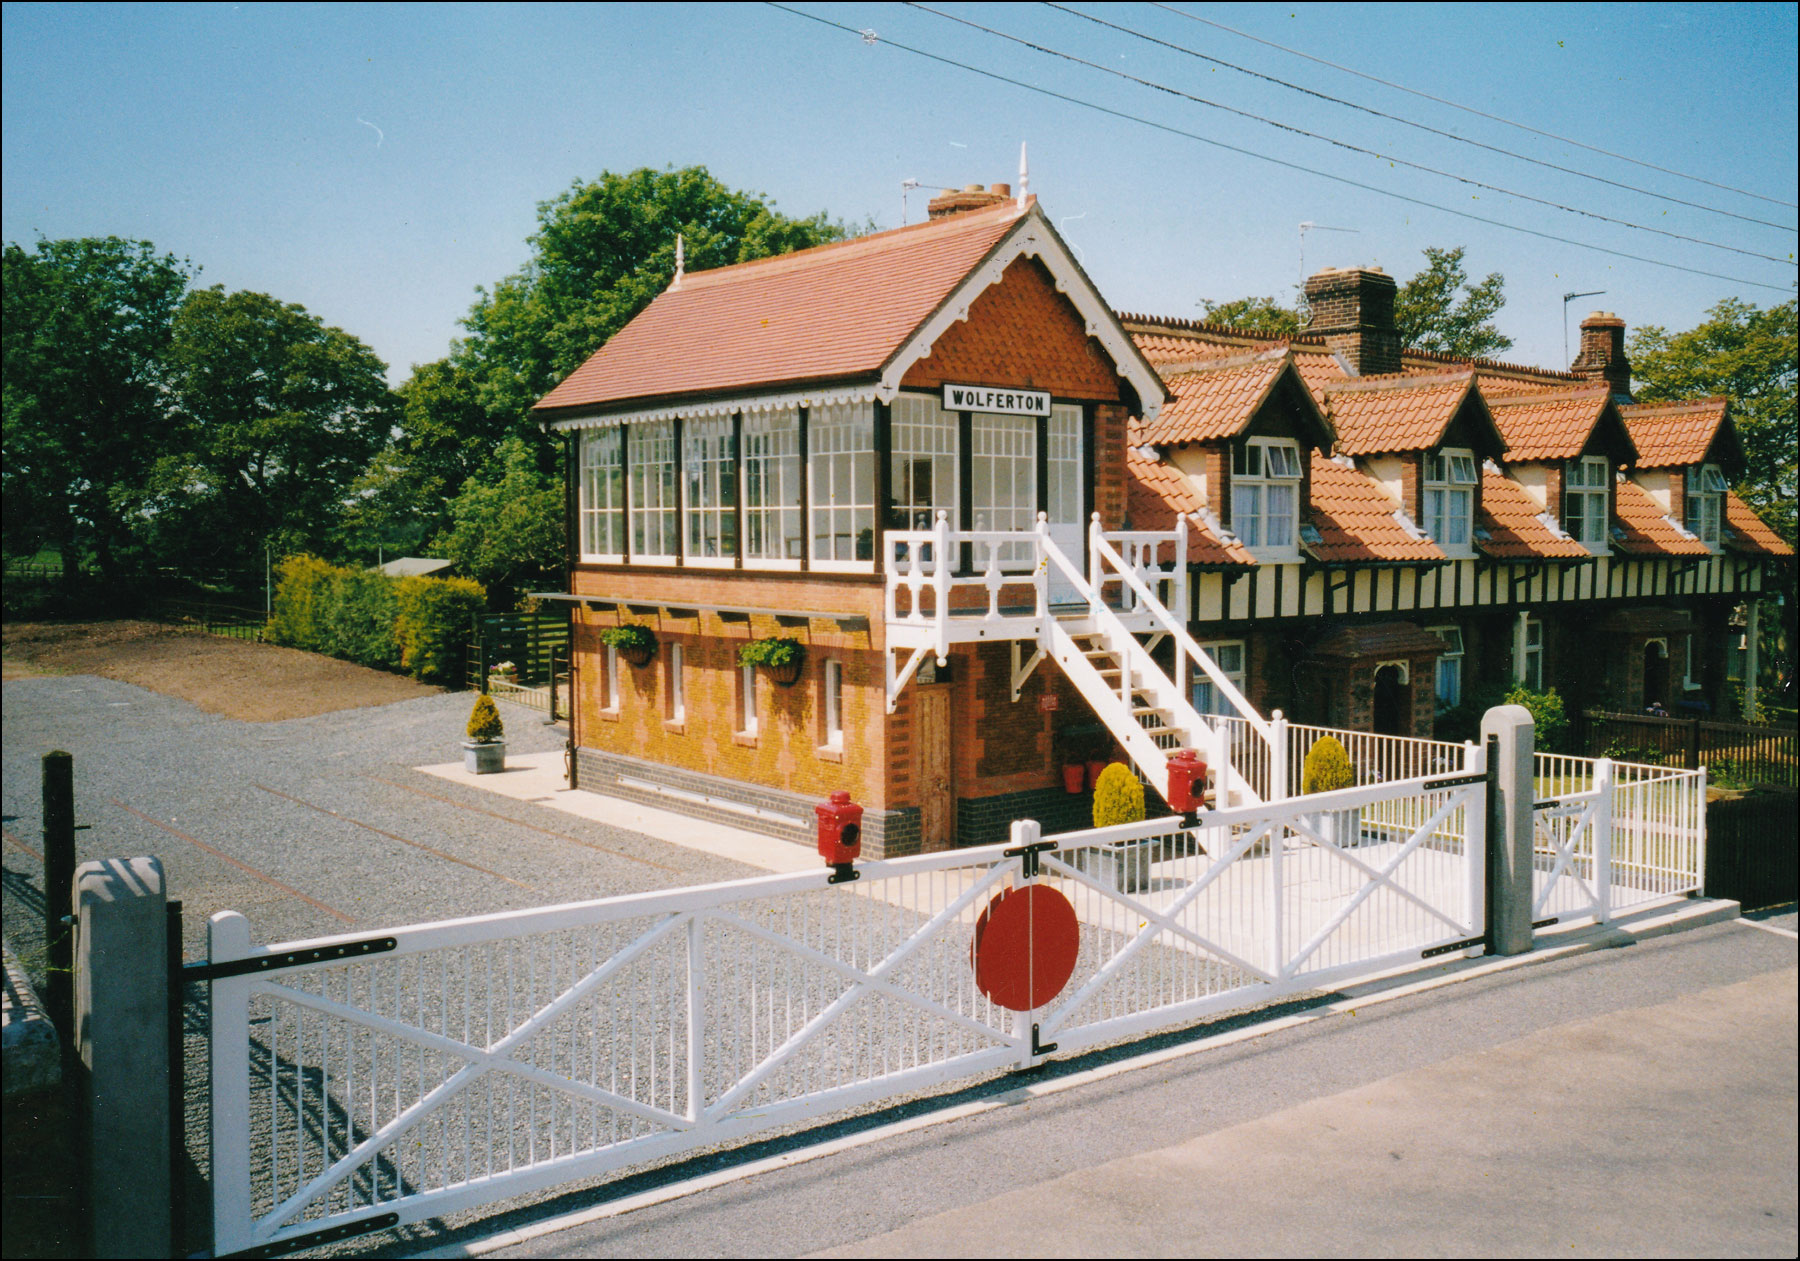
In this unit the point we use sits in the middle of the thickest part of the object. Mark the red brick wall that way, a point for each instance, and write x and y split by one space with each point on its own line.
1109 464
785 753
1412 474
1020 331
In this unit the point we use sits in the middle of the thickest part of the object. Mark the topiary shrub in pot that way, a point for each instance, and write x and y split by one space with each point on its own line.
781 657
637 644
484 752
1119 798
1327 768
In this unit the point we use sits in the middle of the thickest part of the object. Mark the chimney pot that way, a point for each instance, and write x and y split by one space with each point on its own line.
970 197
1003 190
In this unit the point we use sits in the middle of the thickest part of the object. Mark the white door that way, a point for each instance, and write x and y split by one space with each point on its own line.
1064 477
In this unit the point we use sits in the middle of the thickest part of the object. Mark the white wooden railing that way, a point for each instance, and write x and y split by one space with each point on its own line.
1613 835
435 1068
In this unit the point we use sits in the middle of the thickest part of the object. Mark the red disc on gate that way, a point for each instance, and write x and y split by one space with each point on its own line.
1025 947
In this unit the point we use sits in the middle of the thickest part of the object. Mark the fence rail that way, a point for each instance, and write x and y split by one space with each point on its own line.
233 621
1742 753
1613 835
443 1066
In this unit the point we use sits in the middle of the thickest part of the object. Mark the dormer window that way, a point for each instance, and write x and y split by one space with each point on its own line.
1450 478
1585 483
1705 502
1265 493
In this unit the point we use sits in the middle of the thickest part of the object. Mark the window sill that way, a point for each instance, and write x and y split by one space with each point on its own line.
675 726
743 739
612 715
828 754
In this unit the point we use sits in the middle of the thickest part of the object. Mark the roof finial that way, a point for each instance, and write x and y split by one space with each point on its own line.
680 262
1024 178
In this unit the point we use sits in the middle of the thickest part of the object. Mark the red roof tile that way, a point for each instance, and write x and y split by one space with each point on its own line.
1644 529
1377 415
784 320
1355 519
1510 520
1157 493
1546 424
1670 435
1749 532
1214 401
1383 639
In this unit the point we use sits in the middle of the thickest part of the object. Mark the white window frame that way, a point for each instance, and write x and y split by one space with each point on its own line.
610 684
748 723
1003 484
1452 656
832 709
653 491
1264 473
674 686
840 470
1532 675
601 505
1706 487
709 488
1206 698
1688 682
1447 498
1587 487
925 439
774 489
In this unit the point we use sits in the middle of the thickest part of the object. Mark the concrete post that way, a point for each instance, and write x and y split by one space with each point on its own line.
122 1039
1509 827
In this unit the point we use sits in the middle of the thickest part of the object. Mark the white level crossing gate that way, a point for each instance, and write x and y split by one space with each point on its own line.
360 1082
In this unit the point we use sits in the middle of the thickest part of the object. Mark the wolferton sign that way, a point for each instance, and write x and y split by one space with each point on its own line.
991 398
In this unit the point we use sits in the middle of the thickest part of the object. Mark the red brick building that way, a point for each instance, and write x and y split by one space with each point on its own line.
1011 528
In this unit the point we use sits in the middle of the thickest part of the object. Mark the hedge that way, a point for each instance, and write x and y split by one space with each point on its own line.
418 626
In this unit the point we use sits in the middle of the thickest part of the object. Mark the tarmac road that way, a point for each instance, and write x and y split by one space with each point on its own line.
1630 1101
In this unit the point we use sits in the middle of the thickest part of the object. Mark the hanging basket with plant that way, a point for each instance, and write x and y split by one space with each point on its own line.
637 644
780 657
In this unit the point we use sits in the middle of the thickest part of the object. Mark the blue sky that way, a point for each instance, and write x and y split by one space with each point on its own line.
377 163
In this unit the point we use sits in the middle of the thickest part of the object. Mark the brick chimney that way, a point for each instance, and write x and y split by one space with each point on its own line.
971 197
1602 356
1353 309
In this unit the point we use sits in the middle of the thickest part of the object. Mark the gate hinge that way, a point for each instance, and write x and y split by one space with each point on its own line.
1030 854
1040 1048
349 1230
288 959
1454 781
842 873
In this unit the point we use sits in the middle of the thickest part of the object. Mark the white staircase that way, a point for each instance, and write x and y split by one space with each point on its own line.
1145 709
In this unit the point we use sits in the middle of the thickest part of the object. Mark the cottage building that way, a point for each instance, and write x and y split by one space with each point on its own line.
1010 529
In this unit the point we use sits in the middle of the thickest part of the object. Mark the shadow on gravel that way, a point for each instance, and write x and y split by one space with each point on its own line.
405 1241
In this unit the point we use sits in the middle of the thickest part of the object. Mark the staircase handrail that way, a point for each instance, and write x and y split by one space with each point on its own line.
1184 641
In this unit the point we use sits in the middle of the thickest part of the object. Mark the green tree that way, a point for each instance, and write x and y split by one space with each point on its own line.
1257 315
1439 310
603 250
86 329
506 526
1750 353
280 414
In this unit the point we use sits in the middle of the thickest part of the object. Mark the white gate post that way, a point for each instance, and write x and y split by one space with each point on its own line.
1024 832
1278 756
1509 835
122 1038
1601 821
228 938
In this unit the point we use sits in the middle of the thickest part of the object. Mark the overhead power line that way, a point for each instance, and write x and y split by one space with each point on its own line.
1469 109
1342 144
869 37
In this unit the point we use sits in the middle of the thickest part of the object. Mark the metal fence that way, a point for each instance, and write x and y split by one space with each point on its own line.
234 621
1742 753
360 1082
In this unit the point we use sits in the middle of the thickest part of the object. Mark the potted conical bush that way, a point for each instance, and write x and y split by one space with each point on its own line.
484 752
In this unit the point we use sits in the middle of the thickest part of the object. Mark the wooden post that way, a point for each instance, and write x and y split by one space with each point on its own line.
59 884
1693 744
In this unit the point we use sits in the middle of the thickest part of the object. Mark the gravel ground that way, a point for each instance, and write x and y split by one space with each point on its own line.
236 811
